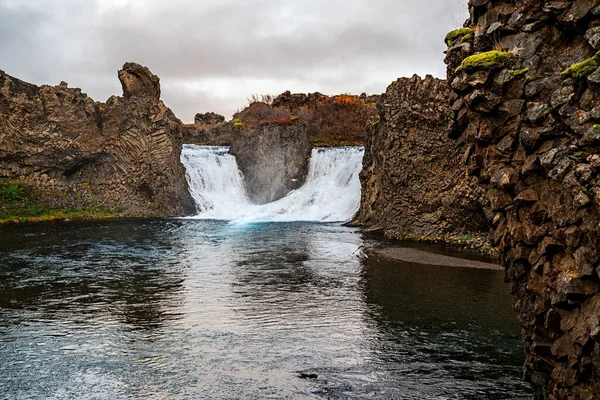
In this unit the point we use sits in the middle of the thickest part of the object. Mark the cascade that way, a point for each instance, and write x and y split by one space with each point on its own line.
331 192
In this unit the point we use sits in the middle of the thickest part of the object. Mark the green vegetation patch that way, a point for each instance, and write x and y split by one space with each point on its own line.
584 68
483 61
21 203
10 193
464 34
596 126
238 122
520 72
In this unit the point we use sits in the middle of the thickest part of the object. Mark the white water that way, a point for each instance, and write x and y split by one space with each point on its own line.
331 192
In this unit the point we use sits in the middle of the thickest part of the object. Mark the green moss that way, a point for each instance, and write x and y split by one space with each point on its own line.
547 111
520 72
464 34
597 126
584 68
238 122
487 60
584 190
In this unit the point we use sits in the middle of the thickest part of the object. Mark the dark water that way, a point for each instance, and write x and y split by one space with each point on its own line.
182 309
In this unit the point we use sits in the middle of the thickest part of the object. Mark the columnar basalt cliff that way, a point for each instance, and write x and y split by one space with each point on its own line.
123 154
413 184
527 121
273 156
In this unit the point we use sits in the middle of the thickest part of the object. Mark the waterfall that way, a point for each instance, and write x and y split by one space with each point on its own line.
331 192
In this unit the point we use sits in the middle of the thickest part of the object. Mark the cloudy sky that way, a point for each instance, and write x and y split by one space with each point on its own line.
211 55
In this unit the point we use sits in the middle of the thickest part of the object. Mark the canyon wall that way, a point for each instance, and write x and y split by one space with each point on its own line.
414 185
527 122
122 154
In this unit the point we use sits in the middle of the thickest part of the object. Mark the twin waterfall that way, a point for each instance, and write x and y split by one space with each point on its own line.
331 192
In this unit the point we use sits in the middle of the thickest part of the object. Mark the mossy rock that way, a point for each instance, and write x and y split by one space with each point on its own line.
584 68
464 34
520 72
483 61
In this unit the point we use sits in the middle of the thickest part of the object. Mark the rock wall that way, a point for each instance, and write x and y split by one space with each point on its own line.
414 185
527 123
123 154
273 158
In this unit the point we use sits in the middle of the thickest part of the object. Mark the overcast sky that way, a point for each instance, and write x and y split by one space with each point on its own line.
212 55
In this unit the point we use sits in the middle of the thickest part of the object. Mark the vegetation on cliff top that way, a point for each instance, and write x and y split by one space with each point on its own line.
331 121
584 68
464 34
21 203
487 60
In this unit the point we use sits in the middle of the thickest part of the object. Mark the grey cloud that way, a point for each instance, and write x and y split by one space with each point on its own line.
331 46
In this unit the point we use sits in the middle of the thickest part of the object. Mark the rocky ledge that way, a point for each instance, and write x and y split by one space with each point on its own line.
75 152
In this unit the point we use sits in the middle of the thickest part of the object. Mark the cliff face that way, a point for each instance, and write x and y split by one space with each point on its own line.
413 183
273 158
123 154
526 120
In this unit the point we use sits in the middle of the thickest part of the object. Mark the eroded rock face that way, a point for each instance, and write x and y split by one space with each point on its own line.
413 184
527 126
273 158
123 154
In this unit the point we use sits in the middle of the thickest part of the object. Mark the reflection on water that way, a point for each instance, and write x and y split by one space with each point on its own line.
204 309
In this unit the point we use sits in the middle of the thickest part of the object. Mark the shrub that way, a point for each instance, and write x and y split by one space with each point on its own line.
11 193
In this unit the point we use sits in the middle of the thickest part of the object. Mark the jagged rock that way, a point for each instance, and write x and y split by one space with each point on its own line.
549 234
123 154
209 118
273 158
413 182
138 81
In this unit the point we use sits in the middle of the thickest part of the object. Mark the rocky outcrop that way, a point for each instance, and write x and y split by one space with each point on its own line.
413 183
122 154
527 122
273 157
208 129
209 118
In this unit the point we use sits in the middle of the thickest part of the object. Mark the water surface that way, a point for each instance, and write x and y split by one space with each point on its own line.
192 309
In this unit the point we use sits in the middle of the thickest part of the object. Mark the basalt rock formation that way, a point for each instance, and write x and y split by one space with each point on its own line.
273 156
414 185
527 122
209 129
121 154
